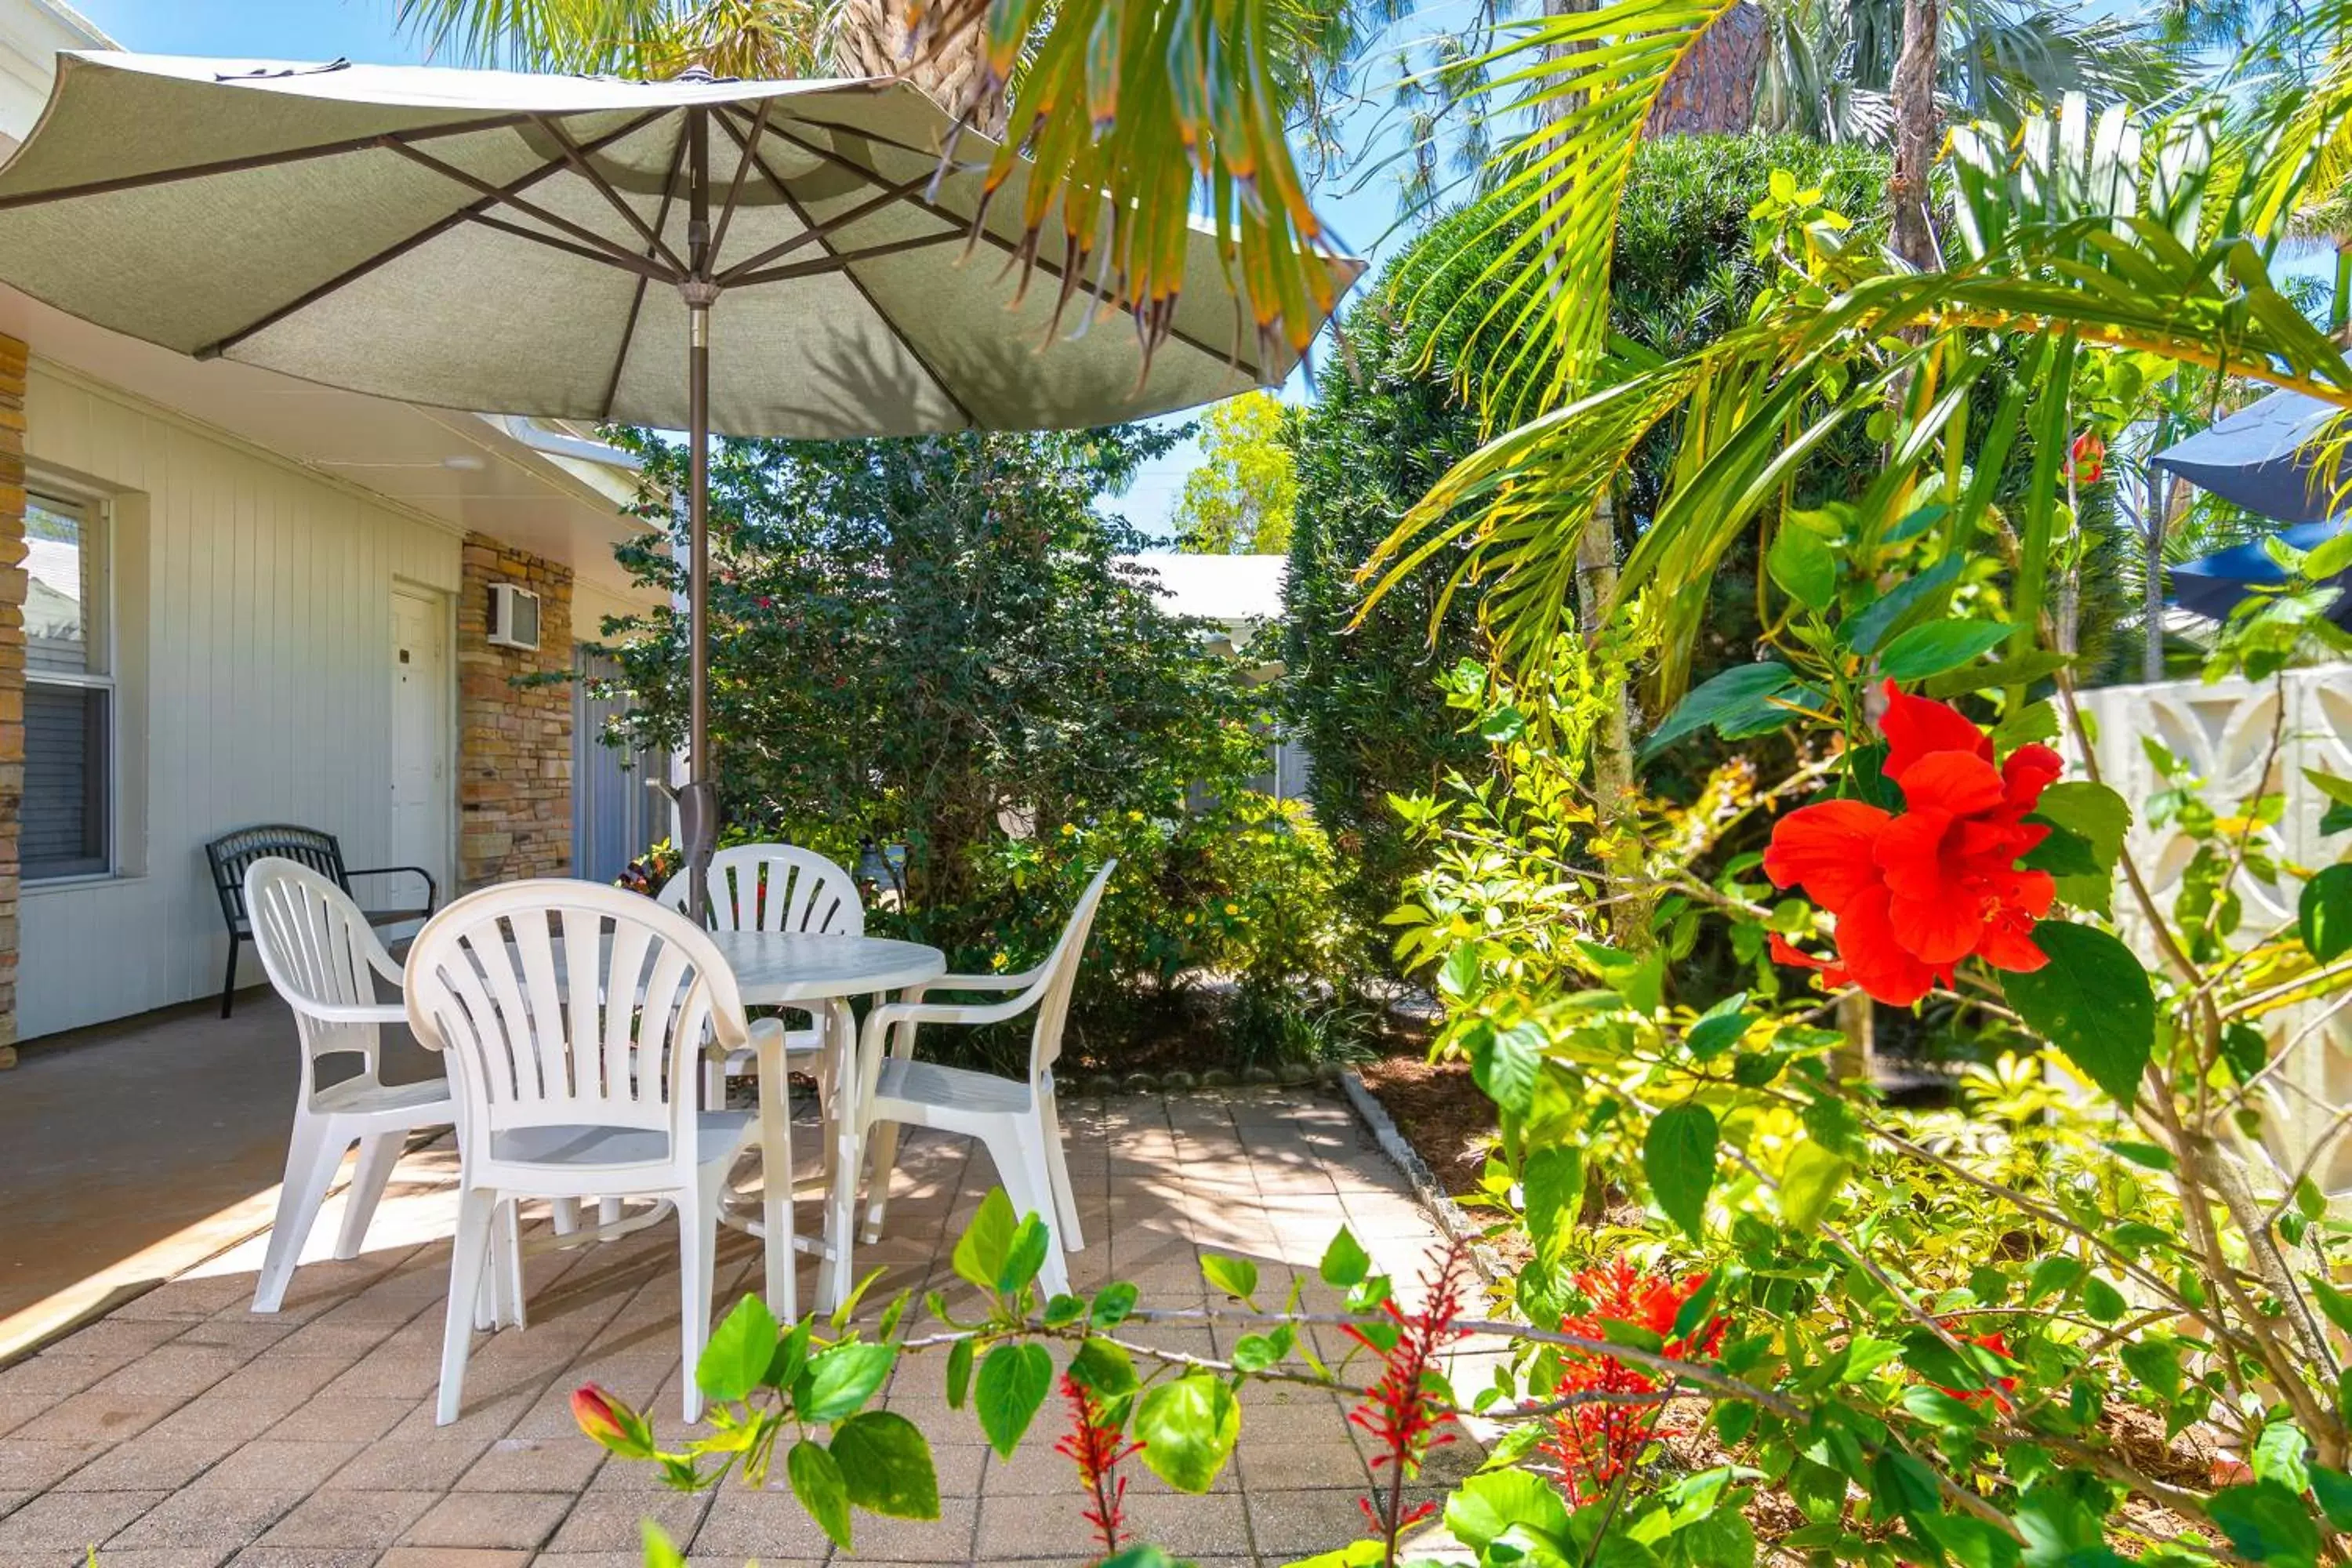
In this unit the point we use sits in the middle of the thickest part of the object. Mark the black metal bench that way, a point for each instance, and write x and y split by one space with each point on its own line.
231 853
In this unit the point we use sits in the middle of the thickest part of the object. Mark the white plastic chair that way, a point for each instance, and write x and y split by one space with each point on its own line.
574 1015
1017 1118
322 956
777 888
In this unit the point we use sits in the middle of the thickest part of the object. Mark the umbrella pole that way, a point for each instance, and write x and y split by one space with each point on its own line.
700 815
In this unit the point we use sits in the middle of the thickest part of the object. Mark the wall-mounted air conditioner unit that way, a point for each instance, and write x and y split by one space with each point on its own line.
514 618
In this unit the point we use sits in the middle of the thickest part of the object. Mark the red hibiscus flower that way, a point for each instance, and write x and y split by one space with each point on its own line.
2003 1389
1914 892
2087 458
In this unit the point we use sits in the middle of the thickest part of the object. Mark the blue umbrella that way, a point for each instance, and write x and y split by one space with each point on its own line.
2262 458
2214 585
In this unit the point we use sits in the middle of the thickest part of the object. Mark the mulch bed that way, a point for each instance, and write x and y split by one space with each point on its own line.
1440 1111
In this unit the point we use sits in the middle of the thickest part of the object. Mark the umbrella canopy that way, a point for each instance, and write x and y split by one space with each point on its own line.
2264 457
512 242
755 257
2214 585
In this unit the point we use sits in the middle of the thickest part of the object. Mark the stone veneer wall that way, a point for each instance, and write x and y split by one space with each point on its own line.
514 741
12 672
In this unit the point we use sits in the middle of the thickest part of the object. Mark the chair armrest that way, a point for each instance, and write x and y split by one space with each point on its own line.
432 888
1021 982
354 1012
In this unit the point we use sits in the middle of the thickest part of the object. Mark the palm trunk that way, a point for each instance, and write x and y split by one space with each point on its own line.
1614 803
1917 128
2151 591
871 39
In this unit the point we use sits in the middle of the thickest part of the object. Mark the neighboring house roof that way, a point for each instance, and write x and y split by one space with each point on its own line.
1235 591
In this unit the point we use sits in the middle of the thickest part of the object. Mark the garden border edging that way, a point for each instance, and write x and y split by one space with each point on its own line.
1450 1215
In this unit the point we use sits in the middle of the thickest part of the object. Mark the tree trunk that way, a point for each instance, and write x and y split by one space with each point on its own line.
1613 799
2151 593
871 39
1917 131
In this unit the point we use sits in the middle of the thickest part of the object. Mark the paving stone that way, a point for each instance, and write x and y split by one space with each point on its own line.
433 1465
534 1465
774 1524
506 1521
148 1461
207 1517
269 1463
93 1417
64 1526
610 1521
350 1519
453 1557
305 1557
27 1466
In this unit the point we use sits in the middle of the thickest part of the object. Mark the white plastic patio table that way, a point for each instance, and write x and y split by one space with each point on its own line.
820 974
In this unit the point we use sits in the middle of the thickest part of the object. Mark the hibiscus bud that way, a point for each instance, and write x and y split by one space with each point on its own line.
2087 458
603 1416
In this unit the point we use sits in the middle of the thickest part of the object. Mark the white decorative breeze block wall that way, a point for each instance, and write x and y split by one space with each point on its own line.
2224 733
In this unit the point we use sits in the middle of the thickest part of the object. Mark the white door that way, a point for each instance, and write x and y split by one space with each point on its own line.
421 786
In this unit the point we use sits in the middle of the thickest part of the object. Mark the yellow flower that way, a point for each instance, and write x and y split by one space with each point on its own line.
997 961
1190 918
1069 830
1134 816
1232 909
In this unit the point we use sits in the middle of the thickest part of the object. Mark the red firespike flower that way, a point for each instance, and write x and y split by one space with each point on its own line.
1915 892
1594 1444
2002 1388
2087 458
1097 1446
1403 1411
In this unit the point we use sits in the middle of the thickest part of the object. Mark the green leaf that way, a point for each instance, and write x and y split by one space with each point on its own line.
2334 1303
1551 1185
2155 1362
1740 691
2339 790
1013 1382
1938 646
2064 853
1801 561
1493 1502
2282 1455
2053 1275
987 1242
2101 1302
1719 1027
2324 913
2334 1490
1145 1556
1900 606
959 1372
2329 557
1024 1254
2268 1524
1458 976
1112 1304
1188 1429
818 1483
840 1380
2092 812
1809 1182
2092 1002
1345 1261
1235 1276
660 1551
1104 1368
738 1352
1678 1158
2035 721
887 1465
1505 1062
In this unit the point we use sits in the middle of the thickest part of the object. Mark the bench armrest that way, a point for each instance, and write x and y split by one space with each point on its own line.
432 888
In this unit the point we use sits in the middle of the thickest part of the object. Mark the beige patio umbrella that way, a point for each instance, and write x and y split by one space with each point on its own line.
753 257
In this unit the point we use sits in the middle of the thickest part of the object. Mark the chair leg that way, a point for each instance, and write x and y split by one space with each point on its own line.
506 1257
1021 1166
883 1138
698 1249
564 1214
1057 1169
228 982
311 1160
477 1214
378 1155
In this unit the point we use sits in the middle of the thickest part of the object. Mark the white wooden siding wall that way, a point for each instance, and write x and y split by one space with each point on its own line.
2223 732
263 606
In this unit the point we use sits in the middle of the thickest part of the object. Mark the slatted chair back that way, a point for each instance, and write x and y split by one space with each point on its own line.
232 853
1059 977
776 888
321 954
567 1004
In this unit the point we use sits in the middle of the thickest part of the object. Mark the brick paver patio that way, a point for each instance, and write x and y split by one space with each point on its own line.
181 1431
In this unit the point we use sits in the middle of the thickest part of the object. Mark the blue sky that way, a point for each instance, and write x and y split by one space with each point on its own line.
364 30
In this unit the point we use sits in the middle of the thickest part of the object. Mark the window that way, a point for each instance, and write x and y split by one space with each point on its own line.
68 693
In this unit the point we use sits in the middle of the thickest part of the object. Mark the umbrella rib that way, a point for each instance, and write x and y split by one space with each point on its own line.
837 260
637 295
982 232
889 326
833 225
638 265
256 160
619 254
311 296
735 186
589 172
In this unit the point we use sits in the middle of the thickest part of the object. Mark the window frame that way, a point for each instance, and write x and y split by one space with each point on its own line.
97 517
